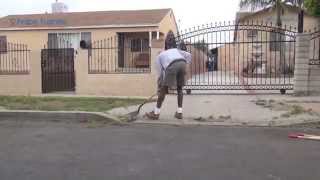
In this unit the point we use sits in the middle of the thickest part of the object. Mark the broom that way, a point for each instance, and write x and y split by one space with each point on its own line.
132 116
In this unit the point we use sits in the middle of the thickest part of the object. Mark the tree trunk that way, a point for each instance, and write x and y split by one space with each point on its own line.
301 21
318 28
279 9
283 65
300 17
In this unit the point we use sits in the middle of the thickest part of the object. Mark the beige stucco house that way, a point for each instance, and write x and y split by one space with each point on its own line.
38 50
256 43
35 30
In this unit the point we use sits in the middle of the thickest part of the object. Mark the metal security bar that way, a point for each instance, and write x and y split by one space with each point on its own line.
119 55
14 58
315 48
240 56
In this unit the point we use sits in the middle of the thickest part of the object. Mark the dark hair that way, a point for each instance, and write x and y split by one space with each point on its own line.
170 41
183 46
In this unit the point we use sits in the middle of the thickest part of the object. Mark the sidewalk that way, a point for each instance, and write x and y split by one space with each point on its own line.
251 110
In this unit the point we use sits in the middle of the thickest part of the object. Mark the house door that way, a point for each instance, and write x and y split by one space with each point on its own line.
57 70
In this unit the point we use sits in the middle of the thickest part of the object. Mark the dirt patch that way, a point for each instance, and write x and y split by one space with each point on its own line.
311 105
294 110
201 119
212 118
290 109
272 105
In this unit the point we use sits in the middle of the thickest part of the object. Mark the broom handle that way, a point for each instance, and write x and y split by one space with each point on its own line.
149 99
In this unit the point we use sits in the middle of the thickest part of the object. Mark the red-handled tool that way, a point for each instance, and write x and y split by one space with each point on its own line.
304 136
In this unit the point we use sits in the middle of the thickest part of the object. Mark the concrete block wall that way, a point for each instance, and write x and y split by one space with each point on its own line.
86 84
314 79
24 84
307 77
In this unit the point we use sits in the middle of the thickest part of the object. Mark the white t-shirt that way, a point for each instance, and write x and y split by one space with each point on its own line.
165 58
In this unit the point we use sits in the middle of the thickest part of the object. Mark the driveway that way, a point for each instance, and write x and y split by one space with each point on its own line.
52 151
274 110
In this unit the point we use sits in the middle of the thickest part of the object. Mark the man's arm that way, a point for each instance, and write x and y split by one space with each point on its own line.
158 65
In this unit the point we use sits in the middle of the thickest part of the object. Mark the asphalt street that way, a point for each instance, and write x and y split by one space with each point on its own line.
55 151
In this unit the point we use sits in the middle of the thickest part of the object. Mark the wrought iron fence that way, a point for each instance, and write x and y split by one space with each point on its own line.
119 55
14 58
315 48
233 55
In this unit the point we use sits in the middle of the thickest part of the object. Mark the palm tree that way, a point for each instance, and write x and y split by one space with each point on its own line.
279 6
313 7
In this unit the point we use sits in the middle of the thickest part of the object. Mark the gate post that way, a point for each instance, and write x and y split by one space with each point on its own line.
301 72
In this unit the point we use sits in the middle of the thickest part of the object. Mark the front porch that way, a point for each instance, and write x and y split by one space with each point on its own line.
125 53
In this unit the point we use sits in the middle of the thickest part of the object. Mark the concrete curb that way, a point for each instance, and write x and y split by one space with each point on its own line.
183 123
83 117
57 116
228 124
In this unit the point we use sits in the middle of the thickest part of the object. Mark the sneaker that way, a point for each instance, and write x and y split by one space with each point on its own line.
152 116
178 115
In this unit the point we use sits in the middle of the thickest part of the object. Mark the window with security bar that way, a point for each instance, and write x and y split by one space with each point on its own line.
63 40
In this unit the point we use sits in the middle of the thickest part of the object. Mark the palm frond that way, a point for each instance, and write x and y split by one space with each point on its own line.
298 3
255 4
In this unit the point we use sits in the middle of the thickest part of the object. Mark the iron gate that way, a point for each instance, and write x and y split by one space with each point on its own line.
240 56
57 70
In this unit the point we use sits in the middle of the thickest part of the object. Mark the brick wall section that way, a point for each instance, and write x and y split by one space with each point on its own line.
24 84
301 77
314 79
307 77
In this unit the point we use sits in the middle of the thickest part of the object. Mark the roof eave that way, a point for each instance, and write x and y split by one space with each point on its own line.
80 27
